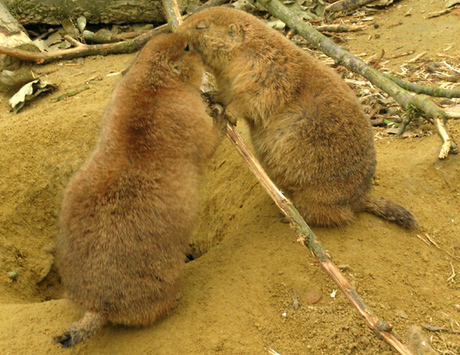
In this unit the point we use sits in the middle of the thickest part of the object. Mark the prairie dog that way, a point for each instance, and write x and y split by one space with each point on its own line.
127 214
307 126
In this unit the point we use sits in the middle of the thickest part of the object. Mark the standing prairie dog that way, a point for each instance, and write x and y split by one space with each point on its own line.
307 127
127 214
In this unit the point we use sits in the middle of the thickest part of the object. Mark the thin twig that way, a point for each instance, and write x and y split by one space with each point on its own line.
379 59
439 329
446 136
70 94
338 28
423 240
453 114
451 277
73 41
417 57
438 13
432 241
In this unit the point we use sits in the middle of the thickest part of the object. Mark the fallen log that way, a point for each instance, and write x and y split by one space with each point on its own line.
29 12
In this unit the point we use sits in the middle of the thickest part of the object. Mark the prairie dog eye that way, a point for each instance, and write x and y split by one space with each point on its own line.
201 25
187 48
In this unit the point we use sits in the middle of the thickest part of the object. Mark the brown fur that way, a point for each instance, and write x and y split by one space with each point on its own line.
307 127
128 213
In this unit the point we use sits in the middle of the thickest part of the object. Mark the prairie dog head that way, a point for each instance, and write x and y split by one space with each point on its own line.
169 58
216 33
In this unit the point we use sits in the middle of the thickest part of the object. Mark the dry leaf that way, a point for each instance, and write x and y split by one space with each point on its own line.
28 92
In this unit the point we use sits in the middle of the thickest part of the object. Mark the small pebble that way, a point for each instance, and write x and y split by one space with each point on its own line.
13 275
364 340
314 296
295 301
402 314
417 342
50 248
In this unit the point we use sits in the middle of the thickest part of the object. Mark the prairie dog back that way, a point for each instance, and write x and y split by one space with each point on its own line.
127 214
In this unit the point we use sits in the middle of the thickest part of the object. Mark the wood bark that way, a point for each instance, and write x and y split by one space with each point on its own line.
12 34
53 12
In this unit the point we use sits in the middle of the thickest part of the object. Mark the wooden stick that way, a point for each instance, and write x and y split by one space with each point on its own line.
446 136
172 12
453 114
439 329
72 41
306 237
438 13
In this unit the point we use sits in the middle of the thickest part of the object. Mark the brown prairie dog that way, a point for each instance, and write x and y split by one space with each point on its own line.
128 213
307 127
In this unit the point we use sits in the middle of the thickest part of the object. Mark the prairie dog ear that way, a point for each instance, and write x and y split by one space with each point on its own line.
232 30
174 67
201 25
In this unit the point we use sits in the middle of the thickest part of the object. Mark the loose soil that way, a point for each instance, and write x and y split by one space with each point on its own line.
252 288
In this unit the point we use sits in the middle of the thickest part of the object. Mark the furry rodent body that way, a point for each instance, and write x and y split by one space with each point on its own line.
127 214
307 126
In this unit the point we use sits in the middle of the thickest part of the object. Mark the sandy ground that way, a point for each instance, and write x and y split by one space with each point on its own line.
239 292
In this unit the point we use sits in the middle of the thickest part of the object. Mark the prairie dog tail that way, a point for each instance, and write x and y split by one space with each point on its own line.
81 330
389 211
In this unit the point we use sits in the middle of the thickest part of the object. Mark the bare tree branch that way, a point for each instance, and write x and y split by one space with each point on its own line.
128 46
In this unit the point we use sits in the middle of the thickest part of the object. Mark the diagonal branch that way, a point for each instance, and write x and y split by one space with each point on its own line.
411 103
307 238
